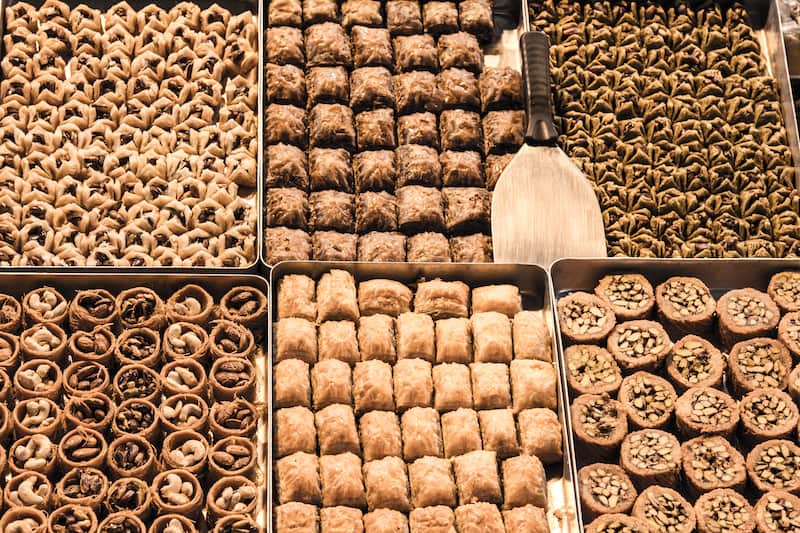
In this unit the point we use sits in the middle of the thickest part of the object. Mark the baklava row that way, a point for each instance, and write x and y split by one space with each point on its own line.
673 432
385 131
128 137
671 109
130 413
399 407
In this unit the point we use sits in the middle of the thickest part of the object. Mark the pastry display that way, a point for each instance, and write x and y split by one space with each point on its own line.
382 128
708 426
387 417
129 139
109 444
673 112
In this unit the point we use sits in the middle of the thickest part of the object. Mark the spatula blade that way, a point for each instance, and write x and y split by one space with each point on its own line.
544 208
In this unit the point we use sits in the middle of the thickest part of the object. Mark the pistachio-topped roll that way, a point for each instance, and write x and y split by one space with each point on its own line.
599 423
724 510
665 510
774 465
630 295
710 462
585 318
695 362
706 411
784 289
778 511
648 400
757 363
618 523
591 370
90 308
604 489
744 314
789 332
140 307
651 457
767 414
639 345
685 304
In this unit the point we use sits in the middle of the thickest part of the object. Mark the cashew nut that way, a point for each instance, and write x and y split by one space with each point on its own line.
174 526
37 414
189 453
176 491
183 341
184 412
190 305
28 494
35 453
33 379
41 339
236 499
182 377
25 525
47 303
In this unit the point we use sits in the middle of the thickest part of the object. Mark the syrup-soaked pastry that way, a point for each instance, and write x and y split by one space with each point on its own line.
418 128
382 247
428 247
327 45
285 45
361 13
418 165
416 92
466 209
500 88
287 207
286 124
460 50
285 13
415 52
334 246
403 17
420 208
329 168
323 11
375 211
328 84
371 87
375 129
494 166
475 17
459 89
285 84
372 47
476 248
440 17
284 244
286 167
460 130
502 131
331 126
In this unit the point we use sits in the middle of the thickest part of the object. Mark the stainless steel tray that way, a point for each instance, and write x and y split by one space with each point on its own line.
501 52
536 294
235 6
721 275
18 284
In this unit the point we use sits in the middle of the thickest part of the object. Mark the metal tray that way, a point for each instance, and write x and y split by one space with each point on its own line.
18 284
503 51
532 281
721 275
234 6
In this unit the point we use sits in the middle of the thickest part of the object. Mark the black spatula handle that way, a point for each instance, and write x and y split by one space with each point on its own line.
535 49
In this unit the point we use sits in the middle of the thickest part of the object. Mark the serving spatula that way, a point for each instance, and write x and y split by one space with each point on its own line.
543 207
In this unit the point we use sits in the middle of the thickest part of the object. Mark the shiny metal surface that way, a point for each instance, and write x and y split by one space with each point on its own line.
536 294
235 6
19 283
721 275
